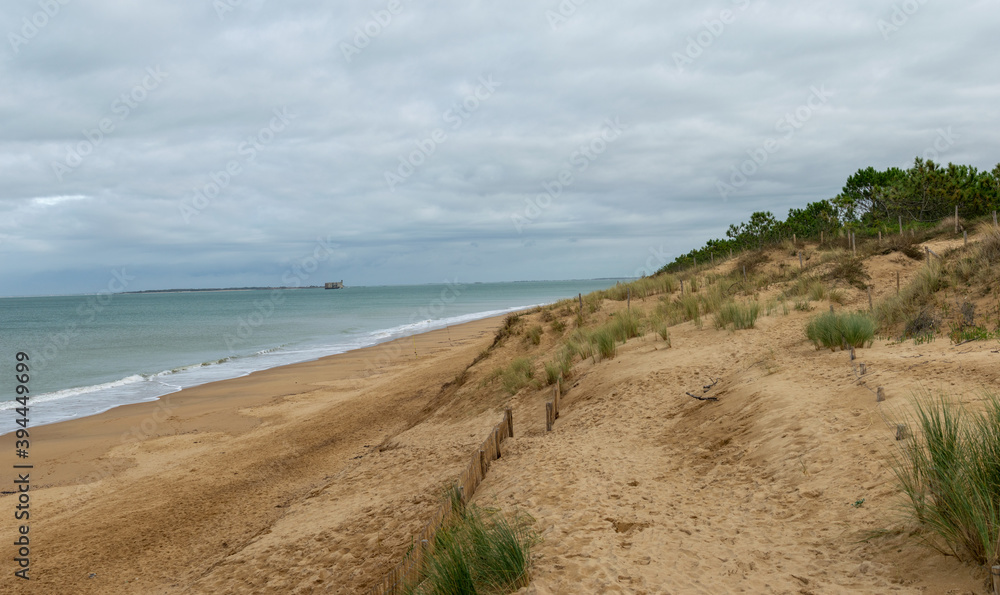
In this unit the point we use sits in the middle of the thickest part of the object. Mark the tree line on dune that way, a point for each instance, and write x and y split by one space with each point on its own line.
871 201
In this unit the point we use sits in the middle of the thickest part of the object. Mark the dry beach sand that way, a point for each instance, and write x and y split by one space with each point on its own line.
312 478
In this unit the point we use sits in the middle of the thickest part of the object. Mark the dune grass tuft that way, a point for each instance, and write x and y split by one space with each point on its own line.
737 316
950 473
833 330
479 550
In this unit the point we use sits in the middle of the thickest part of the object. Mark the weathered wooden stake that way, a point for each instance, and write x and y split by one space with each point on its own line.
695 261
995 572
900 225
956 218
682 286
862 369
897 282
510 422
879 395
713 258
800 259
927 251
852 353
629 303
900 431
548 417
581 304
854 245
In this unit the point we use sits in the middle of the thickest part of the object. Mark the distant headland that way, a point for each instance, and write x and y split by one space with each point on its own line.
221 289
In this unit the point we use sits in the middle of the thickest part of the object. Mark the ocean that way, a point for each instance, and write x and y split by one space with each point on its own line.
89 353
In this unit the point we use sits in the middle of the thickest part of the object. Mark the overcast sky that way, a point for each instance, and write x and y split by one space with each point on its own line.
251 142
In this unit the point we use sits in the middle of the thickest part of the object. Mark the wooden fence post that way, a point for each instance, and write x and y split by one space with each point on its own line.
713 258
956 218
682 286
629 307
852 353
897 282
879 395
548 417
995 573
581 303
800 259
900 225
862 369
900 431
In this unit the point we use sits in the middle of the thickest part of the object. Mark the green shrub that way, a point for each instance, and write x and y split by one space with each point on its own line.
833 330
558 326
534 335
479 551
950 473
737 316
850 269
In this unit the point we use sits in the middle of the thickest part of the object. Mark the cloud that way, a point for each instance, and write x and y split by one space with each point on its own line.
150 108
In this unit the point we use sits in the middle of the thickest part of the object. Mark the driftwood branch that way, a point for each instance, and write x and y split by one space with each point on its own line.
709 387
701 398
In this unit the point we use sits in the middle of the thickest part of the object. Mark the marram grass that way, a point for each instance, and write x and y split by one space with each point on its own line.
833 330
950 474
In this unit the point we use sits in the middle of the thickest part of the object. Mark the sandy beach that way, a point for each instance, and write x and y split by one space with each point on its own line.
312 478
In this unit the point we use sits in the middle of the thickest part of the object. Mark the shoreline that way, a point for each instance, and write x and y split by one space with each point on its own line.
161 490
379 337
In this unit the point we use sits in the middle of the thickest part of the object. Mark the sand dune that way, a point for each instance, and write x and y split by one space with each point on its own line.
314 477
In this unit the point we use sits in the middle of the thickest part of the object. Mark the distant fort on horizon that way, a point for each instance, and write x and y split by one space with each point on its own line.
334 285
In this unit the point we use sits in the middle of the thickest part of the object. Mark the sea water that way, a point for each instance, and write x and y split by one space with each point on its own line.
89 353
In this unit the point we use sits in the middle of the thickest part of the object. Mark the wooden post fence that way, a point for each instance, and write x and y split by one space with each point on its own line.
956 219
900 225
405 572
